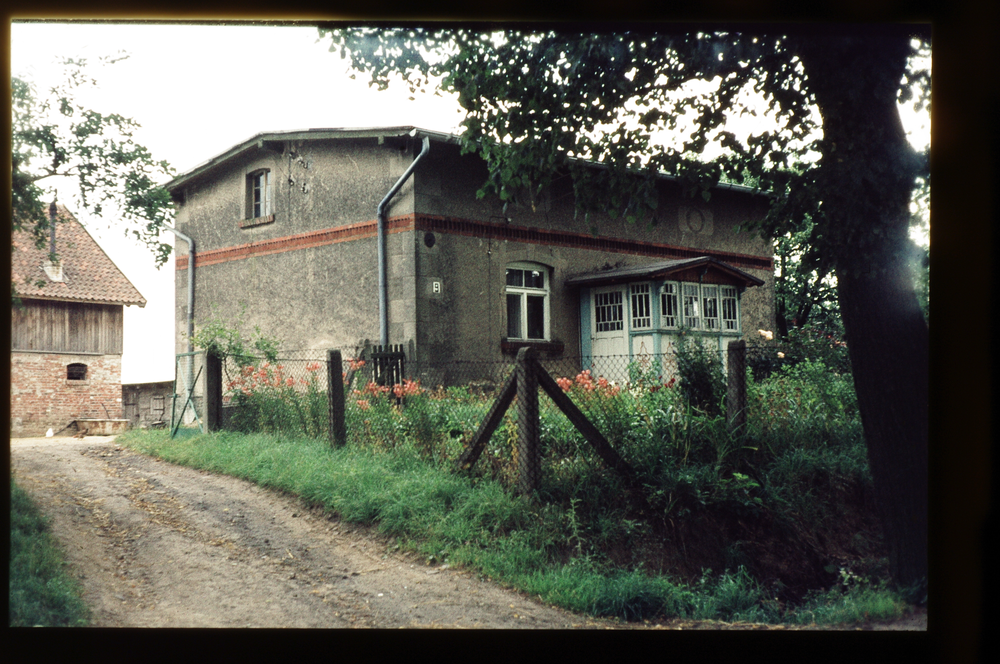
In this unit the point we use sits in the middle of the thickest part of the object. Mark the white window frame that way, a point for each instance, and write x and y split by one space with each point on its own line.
259 182
730 295
669 294
614 300
524 292
710 314
640 306
691 305
693 301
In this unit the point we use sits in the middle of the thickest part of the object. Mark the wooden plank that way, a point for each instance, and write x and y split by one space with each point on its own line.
583 425
489 424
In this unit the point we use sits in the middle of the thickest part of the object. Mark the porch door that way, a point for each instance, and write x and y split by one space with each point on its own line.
609 338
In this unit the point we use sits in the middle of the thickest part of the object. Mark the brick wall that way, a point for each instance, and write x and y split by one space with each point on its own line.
42 397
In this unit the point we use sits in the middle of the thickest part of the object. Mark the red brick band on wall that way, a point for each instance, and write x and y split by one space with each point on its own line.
469 228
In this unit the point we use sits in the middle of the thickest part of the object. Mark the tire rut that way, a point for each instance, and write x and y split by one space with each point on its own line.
156 544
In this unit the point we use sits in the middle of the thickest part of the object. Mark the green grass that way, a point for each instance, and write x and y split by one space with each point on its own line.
754 505
41 591
545 550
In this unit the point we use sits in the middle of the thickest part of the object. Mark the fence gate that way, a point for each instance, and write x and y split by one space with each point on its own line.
388 364
184 408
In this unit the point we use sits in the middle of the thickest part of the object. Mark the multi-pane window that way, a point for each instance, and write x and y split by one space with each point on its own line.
707 307
710 307
642 317
668 304
258 194
608 311
692 310
730 309
527 302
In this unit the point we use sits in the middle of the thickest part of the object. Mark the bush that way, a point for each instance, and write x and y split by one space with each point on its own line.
702 378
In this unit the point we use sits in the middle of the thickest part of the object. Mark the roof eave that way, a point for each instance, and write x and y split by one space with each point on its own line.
645 273
30 296
260 139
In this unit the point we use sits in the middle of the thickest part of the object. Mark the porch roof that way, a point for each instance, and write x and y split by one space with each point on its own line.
662 270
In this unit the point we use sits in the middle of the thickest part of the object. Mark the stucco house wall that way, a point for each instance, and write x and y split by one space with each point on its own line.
308 274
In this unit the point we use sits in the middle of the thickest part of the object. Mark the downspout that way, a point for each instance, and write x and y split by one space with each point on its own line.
383 288
190 303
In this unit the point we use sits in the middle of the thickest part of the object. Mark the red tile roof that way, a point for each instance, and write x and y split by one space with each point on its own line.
88 274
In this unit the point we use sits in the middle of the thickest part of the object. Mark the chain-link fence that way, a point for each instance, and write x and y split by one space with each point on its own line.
285 393
528 422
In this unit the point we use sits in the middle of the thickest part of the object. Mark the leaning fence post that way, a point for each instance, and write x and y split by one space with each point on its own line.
335 397
213 393
529 461
736 394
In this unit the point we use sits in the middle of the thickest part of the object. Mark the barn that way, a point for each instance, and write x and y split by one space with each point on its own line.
66 330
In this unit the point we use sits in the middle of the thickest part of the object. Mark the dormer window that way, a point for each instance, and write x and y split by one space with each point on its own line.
53 270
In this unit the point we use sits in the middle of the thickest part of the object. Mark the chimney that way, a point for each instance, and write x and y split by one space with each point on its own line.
53 269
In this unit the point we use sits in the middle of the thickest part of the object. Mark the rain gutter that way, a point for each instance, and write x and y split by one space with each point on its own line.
190 303
383 290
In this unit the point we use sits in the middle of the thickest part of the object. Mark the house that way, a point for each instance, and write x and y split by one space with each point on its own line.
66 331
286 224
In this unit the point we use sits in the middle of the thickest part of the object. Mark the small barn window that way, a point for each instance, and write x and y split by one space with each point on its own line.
76 371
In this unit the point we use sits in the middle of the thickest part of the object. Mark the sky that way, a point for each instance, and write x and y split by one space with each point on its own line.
197 90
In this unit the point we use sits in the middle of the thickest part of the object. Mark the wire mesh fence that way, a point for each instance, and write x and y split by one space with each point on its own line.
440 410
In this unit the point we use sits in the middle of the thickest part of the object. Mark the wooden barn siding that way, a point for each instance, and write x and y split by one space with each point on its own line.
67 327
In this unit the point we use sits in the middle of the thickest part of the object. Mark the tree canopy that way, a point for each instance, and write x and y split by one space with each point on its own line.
827 146
642 103
54 135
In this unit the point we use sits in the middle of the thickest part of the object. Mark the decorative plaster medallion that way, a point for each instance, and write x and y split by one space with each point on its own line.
696 220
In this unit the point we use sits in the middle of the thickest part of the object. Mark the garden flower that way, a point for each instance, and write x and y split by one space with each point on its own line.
767 334
781 355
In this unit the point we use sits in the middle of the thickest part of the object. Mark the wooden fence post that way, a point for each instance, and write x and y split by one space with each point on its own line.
335 397
529 457
736 394
213 393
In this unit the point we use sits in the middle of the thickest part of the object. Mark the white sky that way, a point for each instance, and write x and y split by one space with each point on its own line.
197 90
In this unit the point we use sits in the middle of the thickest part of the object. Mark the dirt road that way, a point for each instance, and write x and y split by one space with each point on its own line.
160 545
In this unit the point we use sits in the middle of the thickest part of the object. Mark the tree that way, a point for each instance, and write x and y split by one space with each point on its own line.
537 102
55 136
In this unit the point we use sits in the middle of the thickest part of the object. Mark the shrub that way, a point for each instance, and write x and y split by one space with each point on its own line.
702 378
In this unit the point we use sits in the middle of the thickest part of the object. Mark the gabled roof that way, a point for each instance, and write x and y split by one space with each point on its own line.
264 138
661 270
89 275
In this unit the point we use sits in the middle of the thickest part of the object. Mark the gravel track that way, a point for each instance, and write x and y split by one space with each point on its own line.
160 545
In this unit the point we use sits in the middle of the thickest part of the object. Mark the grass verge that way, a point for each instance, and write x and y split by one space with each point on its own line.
476 523
41 592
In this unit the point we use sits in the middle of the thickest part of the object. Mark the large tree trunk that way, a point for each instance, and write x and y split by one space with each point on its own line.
865 178
888 345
